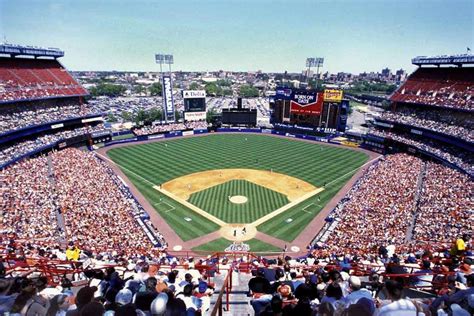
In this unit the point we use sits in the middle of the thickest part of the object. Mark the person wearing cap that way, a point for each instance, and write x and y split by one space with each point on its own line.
204 293
192 302
188 279
259 285
356 292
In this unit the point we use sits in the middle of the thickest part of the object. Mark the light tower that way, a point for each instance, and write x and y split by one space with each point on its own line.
167 86
314 62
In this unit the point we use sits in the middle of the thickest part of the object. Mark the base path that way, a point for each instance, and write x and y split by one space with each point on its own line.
293 188
282 209
192 207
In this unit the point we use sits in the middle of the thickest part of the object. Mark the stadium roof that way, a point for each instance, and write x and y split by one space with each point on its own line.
16 50
443 60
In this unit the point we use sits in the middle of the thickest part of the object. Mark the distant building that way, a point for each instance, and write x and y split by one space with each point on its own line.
386 73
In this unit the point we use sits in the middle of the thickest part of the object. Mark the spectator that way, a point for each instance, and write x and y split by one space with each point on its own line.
398 306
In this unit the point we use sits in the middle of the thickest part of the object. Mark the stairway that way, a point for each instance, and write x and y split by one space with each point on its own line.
238 300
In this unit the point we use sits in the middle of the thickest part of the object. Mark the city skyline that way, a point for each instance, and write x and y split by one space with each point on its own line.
272 36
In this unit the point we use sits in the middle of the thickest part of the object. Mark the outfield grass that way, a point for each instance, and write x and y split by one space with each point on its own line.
261 201
156 163
222 243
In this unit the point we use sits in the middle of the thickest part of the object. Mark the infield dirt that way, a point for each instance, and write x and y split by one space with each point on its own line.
186 185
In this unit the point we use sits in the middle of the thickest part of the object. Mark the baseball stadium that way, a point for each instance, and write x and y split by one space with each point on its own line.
209 188
161 192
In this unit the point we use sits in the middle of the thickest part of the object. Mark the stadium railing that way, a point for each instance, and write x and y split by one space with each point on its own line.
225 289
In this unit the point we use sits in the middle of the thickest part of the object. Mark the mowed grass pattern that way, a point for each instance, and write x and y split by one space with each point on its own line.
261 201
159 162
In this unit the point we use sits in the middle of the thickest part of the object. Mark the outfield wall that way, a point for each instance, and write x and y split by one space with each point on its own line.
175 134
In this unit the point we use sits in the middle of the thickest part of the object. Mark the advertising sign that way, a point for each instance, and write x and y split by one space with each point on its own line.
194 116
188 94
332 95
283 93
309 103
168 97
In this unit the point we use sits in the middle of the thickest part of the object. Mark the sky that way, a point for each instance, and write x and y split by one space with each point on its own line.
248 35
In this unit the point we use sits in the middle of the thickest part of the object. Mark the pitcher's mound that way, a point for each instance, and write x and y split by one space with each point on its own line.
238 199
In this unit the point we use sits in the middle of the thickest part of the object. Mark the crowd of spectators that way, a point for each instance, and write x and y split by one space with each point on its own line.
38 91
458 159
445 208
322 288
171 127
196 124
428 121
308 285
27 202
76 195
143 290
373 229
446 96
400 201
37 114
11 152
159 128
92 199
378 210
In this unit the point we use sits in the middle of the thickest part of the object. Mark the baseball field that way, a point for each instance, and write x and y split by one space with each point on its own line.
237 184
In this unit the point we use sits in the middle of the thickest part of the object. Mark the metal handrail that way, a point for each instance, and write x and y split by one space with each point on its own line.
225 288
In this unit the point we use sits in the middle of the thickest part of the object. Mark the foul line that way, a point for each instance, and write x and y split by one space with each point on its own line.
367 163
277 212
191 206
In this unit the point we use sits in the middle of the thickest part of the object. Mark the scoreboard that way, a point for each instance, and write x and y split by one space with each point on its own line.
194 105
246 117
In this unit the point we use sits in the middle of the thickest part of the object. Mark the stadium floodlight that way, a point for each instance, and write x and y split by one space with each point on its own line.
159 58
169 59
313 62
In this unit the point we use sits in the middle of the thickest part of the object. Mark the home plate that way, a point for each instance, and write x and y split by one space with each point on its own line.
177 248
187 219
295 248
289 220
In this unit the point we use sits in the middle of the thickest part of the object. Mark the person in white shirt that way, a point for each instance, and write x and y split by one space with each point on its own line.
356 292
399 306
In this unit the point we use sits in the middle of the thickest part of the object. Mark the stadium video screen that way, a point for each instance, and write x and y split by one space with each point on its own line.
239 117
195 105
